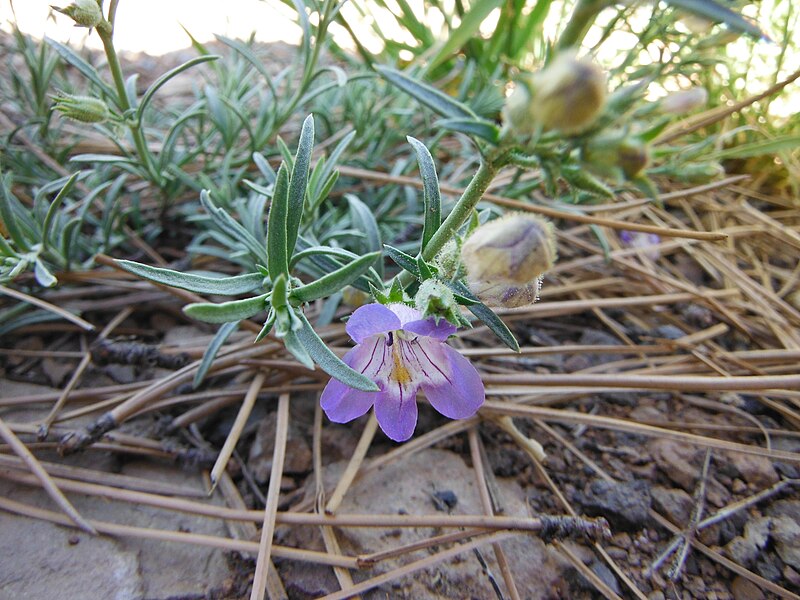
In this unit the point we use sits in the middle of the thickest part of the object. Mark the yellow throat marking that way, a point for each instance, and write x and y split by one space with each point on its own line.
400 373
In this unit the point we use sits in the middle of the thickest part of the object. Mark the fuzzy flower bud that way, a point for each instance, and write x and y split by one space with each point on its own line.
81 108
85 13
617 155
684 101
434 299
505 259
568 95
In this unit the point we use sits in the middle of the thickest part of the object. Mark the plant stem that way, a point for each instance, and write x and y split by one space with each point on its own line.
461 211
579 23
106 36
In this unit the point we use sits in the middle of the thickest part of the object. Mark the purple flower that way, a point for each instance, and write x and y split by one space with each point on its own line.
402 352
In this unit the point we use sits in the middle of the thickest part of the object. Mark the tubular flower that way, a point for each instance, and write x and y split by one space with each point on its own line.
403 352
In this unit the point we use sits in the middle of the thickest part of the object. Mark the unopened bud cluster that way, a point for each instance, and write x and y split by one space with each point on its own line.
505 259
567 95
81 108
85 13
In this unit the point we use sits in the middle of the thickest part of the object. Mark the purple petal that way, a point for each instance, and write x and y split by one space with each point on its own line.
406 314
396 410
342 403
371 319
429 328
462 393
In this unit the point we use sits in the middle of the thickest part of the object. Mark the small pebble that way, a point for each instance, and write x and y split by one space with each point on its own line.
73 540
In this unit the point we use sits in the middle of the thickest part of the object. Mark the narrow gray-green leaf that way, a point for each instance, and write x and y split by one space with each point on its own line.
158 83
717 12
222 286
277 256
54 206
487 315
333 282
329 362
222 335
467 29
235 310
429 96
432 200
298 183
84 67
403 260
486 130
43 275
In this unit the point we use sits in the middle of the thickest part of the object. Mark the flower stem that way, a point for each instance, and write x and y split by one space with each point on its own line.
463 208
579 23
106 36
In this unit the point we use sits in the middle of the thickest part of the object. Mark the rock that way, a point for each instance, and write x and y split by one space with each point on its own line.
746 548
606 575
676 460
755 470
43 560
304 581
298 453
786 534
625 505
670 332
675 504
406 486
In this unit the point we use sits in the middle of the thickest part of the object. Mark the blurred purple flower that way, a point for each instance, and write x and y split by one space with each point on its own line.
648 242
402 352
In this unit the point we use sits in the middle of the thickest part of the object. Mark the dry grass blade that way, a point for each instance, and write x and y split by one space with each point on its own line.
565 416
486 501
223 543
47 483
237 428
424 563
64 314
273 496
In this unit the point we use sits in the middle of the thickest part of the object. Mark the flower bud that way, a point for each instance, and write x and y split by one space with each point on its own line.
85 13
700 172
568 95
506 258
435 299
616 154
81 108
632 157
684 101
